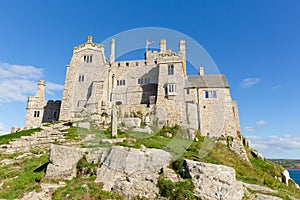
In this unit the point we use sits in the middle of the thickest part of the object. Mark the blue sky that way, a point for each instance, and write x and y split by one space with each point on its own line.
255 43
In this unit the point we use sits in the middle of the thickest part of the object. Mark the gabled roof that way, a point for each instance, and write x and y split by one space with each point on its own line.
207 81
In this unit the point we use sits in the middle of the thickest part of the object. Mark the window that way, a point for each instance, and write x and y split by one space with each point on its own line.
142 81
87 58
120 82
171 89
55 114
81 78
147 80
155 62
170 69
36 114
127 64
187 91
210 94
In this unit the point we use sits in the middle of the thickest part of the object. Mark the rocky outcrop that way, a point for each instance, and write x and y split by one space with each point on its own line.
133 172
63 160
213 181
45 193
256 154
286 177
258 196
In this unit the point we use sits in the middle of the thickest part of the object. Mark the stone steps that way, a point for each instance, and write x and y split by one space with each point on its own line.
47 136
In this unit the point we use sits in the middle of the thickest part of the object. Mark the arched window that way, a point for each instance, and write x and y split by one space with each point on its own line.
170 69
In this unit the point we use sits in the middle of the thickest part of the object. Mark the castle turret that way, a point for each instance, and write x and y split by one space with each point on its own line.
182 52
163 45
40 93
112 50
182 47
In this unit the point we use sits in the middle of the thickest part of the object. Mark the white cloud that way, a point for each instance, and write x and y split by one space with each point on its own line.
19 71
249 82
249 129
16 90
17 82
276 145
51 87
3 131
261 123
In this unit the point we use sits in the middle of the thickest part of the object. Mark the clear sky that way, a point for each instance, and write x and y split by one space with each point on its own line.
255 43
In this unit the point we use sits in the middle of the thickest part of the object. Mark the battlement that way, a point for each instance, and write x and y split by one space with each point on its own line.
133 63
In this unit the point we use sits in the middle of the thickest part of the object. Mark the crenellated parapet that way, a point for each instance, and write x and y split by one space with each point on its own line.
89 44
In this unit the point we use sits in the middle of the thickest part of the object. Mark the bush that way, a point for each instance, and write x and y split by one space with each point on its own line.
180 190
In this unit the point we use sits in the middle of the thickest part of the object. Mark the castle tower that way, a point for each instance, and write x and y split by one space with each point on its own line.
84 84
163 45
171 83
35 107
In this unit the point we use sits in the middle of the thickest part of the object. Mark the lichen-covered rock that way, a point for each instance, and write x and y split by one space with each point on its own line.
213 181
258 196
140 185
63 160
132 122
133 172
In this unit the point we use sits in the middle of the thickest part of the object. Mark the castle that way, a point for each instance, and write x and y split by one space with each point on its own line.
157 87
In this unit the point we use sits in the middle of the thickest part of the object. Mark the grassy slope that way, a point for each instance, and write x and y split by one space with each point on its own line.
25 178
4 139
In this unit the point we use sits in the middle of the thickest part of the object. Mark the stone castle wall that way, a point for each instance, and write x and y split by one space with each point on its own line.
93 85
85 81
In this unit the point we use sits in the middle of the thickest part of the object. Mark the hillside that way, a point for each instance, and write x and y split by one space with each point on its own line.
287 163
23 172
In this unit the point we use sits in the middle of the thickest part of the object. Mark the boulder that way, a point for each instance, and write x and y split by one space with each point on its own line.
140 185
133 172
213 181
63 160
86 125
132 122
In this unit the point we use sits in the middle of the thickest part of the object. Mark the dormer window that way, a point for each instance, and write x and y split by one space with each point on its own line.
170 69
87 58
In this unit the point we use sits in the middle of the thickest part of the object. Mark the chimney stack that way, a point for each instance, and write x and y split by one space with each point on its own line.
112 50
201 71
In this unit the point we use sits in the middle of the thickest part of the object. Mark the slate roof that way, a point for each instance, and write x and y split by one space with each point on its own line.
207 81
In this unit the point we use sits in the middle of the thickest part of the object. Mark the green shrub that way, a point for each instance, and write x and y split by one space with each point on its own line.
180 190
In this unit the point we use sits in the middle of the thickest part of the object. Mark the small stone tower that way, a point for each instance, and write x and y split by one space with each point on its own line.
35 107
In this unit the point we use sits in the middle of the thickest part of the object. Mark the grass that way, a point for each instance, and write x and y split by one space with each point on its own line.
83 188
24 179
5 139
180 190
